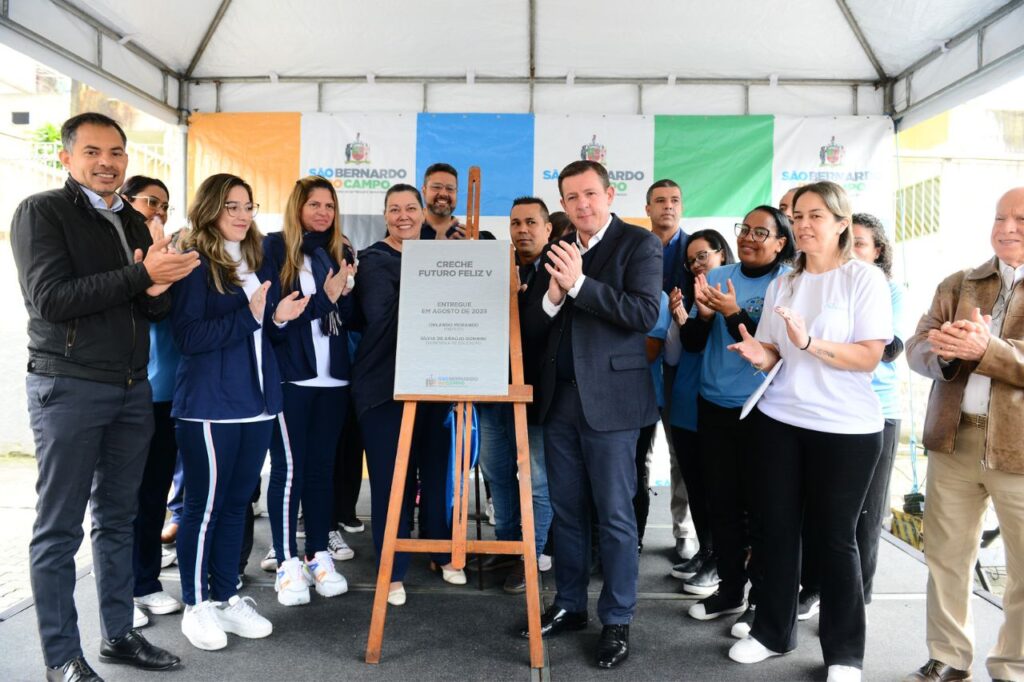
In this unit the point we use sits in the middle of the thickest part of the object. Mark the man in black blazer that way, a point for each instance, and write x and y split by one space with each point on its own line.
593 394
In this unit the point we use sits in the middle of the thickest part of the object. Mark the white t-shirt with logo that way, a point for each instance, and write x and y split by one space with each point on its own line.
848 304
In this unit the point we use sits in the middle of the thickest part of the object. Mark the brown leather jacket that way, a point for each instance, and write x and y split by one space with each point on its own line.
955 299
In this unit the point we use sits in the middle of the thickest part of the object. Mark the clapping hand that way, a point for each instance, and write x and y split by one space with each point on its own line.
723 302
963 339
796 328
290 307
565 268
165 266
677 305
750 349
336 285
702 298
258 302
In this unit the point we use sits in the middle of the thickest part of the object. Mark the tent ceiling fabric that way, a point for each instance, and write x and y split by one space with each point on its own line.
322 53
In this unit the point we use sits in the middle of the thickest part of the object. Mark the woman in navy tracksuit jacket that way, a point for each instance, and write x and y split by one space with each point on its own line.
227 392
312 353
380 415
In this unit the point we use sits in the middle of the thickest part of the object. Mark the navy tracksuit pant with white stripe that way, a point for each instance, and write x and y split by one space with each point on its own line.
221 463
302 453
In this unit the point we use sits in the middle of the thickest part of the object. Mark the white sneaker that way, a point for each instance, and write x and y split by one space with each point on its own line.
167 557
158 603
201 627
338 547
290 585
749 650
544 563
843 673
238 617
269 562
329 583
139 618
396 597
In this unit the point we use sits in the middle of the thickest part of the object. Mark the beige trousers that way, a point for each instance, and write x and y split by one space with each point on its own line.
958 491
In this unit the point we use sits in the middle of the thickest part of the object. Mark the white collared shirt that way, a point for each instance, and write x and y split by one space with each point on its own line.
979 387
550 308
99 204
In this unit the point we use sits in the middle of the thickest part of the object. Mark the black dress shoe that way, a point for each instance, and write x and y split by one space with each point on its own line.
705 583
690 567
133 649
75 670
556 620
614 646
937 671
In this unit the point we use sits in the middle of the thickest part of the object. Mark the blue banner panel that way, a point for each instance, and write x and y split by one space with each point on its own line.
501 144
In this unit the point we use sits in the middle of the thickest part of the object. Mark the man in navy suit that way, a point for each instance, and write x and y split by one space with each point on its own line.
594 393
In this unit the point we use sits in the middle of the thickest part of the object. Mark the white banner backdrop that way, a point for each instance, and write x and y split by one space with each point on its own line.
361 154
624 144
856 152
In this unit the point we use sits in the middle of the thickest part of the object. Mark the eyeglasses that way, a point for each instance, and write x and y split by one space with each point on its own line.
701 257
437 187
153 202
758 234
234 208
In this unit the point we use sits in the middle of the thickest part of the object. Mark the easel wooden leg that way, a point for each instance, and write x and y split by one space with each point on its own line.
387 555
460 491
529 546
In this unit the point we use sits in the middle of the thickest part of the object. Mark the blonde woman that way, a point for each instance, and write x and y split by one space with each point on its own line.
309 256
819 430
227 393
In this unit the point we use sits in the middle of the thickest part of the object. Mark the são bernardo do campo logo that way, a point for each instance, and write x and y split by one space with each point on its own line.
358 172
598 153
830 167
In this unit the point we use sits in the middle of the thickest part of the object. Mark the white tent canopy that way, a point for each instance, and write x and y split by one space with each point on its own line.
909 59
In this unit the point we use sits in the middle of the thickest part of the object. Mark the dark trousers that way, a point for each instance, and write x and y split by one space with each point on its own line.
248 529
825 476
687 448
642 499
156 479
222 466
428 458
586 465
177 500
722 447
348 469
302 452
869 526
91 442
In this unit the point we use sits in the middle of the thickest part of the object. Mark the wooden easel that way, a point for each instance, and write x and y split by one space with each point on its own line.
518 394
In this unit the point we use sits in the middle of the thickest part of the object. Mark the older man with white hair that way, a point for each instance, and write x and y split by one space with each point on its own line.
971 343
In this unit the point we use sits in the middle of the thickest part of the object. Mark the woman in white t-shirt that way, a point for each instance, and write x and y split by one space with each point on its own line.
819 430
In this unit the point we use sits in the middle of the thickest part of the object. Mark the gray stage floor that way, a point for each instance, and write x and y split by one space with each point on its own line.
462 633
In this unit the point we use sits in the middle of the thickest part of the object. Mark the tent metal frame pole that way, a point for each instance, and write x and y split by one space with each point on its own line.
862 39
959 38
533 48
103 30
207 37
541 80
65 53
1012 54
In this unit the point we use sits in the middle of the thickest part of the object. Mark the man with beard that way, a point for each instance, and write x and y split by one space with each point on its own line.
440 190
